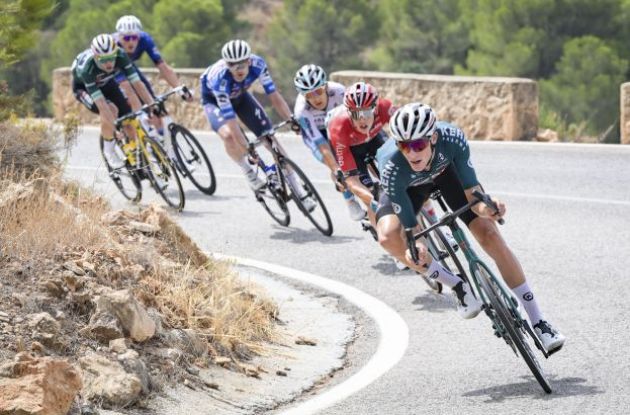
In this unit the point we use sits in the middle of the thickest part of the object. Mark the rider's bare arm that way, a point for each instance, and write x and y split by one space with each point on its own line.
280 105
168 74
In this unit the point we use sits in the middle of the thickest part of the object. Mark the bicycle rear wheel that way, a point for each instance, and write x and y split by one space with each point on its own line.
273 198
125 178
192 159
513 324
162 174
319 214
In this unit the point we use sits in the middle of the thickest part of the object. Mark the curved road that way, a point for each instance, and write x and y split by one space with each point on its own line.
568 221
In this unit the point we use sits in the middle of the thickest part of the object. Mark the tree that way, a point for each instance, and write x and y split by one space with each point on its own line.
420 36
332 34
585 87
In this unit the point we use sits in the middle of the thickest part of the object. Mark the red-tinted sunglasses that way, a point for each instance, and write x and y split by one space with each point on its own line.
128 38
415 145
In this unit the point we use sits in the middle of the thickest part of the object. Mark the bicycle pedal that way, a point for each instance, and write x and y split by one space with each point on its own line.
442 255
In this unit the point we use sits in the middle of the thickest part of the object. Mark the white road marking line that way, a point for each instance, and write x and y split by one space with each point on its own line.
392 345
498 192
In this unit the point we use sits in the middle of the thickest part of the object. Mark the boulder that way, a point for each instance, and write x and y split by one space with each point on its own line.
131 315
38 386
107 381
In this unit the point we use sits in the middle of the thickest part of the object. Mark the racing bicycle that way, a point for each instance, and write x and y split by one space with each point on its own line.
499 304
278 190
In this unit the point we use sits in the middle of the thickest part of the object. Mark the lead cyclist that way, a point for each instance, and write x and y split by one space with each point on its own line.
423 155
317 96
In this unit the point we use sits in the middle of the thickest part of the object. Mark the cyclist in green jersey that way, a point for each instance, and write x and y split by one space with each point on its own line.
427 155
94 85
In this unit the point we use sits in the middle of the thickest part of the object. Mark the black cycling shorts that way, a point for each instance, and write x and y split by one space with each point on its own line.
447 183
111 91
366 151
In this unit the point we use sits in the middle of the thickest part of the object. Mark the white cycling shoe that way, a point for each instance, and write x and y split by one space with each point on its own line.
468 306
551 338
309 203
356 210
254 181
114 161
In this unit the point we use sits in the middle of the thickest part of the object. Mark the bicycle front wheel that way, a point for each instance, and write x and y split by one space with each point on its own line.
162 174
193 160
512 323
124 178
318 215
273 198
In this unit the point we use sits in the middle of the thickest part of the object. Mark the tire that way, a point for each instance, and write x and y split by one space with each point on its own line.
162 174
512 323
319 216
273 197
125 179
190 153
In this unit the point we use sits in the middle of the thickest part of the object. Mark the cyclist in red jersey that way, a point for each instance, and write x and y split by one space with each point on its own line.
355 131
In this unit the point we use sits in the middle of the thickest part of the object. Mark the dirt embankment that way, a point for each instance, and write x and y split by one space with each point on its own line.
102 308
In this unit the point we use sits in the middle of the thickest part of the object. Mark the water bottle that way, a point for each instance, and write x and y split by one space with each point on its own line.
272 175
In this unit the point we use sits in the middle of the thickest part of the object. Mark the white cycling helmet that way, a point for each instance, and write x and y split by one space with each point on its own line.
103 44
128 24
235 51
309 77
412 122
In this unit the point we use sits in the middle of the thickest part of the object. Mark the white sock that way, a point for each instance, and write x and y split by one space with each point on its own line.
244 164
527 300
109 145
437 272
293 178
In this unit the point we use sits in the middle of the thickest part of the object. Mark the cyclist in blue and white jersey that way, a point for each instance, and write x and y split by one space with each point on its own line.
224 96
136 42
425 155
317 96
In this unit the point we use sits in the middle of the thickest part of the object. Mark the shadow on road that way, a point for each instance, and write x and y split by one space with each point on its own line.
197 195
531 389
386 266
433 302
296 235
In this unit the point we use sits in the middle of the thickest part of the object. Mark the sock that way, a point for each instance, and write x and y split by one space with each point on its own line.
347 195
437 272
527 300
108 144
293 178
244 164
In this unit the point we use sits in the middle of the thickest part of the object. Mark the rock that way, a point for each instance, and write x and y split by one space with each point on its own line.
54 286
220 360
131 315
52 341
4 317
72 266
281 373
118 345
143 227
108 382
38 348
547 135
38 386
305 341
133 364
103 327
117 218
44 322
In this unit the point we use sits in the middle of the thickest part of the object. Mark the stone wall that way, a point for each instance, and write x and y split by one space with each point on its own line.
624 113
490 108
191 114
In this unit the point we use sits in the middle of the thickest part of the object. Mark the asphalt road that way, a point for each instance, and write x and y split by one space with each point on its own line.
568 222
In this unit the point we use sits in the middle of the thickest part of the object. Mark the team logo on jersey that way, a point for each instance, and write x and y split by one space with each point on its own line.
441 157
397 208
470 164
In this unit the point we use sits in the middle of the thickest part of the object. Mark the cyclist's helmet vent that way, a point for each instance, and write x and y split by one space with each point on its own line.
412 122
360 96
128 24
103 44
235 51
309 77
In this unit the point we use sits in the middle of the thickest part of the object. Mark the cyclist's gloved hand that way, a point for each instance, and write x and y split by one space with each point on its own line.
186 93
295 125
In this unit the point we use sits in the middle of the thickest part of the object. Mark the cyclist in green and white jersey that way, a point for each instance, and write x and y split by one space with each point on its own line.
425 155
94 85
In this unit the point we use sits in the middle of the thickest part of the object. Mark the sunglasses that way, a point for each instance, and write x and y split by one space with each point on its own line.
355 115
128 38
106 58
238 65
415 145
315 92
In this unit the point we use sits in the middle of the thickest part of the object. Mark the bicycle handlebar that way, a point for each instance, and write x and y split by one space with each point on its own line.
447 219
159 101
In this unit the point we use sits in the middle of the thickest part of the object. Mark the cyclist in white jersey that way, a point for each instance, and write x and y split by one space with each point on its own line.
317 96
